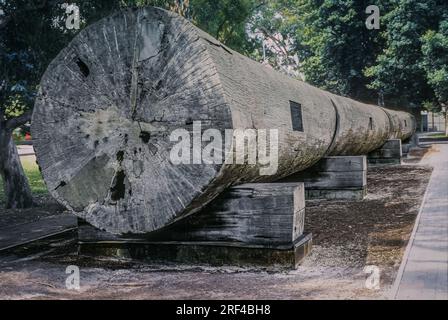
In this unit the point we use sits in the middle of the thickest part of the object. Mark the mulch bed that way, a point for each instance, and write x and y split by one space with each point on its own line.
374 231
45 206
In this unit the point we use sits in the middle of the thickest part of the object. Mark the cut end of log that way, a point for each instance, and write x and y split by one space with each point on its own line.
107 106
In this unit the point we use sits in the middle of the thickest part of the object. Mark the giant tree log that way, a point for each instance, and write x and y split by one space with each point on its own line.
109 101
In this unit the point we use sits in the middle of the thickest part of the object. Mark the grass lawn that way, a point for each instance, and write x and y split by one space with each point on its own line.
34 177
438 136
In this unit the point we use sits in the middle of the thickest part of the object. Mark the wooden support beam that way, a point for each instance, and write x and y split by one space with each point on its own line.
342 177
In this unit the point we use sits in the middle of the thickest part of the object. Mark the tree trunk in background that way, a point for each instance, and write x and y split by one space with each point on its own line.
15 184
381 99
446 123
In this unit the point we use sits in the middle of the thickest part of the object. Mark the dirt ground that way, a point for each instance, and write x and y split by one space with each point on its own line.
347 236
45 206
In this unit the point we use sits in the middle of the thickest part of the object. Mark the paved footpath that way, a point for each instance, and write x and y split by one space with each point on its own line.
424 270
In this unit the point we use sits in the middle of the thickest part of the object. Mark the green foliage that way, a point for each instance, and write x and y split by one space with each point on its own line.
340 43
435 60
34 176
225 20
402 61
397 71
324 41
35 33
331 40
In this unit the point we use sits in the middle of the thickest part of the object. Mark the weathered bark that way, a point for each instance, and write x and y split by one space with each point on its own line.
15 184
110 100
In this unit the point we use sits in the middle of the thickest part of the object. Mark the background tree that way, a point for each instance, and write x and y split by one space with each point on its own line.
338 53
398 72
326 40
31 35
337 46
